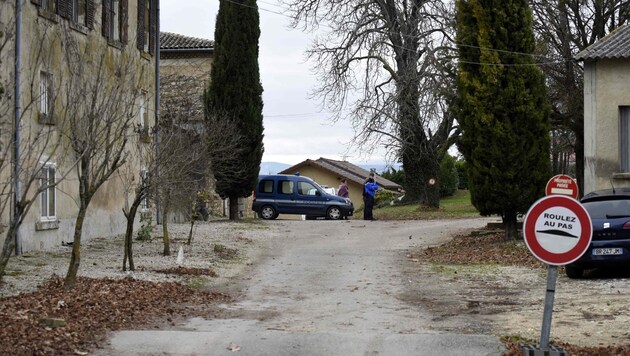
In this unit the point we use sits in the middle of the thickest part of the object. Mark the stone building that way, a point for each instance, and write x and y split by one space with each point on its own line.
607 111
86 73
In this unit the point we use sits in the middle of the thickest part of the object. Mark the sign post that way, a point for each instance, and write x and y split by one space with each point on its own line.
557 231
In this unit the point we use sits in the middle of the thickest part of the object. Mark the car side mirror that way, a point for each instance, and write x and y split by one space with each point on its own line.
318 194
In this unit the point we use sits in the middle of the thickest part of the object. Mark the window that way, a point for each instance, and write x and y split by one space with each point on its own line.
115 20
45 94
144 176
48 194
49 5
624 139
265 186
144 112
306 188
146 26
79 12
285 186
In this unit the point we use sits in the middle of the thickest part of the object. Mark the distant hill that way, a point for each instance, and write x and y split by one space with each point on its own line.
272 167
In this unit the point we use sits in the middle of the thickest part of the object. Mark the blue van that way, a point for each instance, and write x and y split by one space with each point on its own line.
289 194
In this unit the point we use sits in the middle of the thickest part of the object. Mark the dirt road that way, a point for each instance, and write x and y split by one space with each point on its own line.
328 287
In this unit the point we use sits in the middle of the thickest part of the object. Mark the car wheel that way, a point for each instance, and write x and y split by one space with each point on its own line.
573 271
333 213
267 212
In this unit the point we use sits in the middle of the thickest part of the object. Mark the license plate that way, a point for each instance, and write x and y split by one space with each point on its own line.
607 251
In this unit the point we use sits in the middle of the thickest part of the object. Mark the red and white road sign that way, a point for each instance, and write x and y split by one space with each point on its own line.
562 184
557 230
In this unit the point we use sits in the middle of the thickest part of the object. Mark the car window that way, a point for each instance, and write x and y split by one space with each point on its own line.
285 187
599 209
306 188
265 186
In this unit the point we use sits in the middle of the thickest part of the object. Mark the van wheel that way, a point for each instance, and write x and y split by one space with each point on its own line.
573 271
267 212
333 213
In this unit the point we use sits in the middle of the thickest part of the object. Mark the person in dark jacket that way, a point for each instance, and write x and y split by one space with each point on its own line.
369 190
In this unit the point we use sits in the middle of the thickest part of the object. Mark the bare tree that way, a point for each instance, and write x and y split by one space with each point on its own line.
136 184
395 56
101 91
189 145
38 142
564 28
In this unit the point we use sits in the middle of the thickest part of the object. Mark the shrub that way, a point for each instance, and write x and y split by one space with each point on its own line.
449 179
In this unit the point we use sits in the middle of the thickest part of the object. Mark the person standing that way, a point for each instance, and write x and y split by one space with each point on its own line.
369 190
343 192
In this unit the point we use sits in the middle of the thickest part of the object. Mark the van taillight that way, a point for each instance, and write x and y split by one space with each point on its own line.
626 225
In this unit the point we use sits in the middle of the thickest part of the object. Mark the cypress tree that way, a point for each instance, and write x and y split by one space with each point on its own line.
503 110
235 93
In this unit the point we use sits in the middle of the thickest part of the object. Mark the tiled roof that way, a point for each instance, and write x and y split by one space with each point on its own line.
345 169
173 41
616 45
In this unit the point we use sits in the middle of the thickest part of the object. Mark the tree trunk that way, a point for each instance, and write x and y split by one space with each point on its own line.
422 171
234 208
190 233
75 259
510 226
165 238
7 249
131 218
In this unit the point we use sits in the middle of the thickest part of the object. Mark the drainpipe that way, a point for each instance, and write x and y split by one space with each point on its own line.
18 110
158 210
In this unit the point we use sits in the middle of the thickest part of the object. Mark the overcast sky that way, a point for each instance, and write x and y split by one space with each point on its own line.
295 127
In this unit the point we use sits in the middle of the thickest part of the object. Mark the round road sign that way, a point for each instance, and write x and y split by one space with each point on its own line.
557 230
562 184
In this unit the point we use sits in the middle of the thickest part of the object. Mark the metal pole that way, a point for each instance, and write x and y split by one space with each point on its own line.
18 112
552 275
158 208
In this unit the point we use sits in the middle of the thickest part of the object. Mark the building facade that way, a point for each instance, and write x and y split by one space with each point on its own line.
607 111
87 84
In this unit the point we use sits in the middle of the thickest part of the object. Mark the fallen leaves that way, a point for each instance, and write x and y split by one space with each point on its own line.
89 311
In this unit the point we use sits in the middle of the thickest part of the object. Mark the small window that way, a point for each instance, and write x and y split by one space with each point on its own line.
265 186
624 139
285 186
48 194
45 94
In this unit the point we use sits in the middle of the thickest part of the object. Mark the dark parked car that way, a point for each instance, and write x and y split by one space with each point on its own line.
287 194
610 245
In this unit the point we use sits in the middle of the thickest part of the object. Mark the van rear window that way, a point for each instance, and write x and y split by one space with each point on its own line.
265 186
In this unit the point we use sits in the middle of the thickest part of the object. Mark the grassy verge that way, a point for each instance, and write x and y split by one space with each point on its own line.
454 207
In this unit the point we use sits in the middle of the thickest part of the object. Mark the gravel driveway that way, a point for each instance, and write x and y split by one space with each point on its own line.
324 288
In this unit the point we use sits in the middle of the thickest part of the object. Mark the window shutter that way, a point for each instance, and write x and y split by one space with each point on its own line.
64 9
89 14
37 2
124 20
140 35
106 18
153 26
